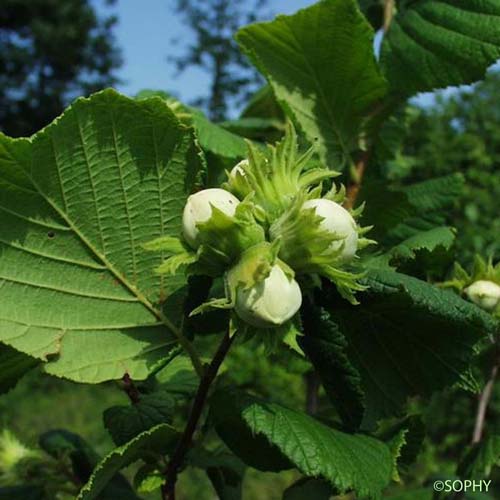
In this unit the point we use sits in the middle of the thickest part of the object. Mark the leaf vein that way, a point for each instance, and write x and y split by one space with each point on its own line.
80 263
66 291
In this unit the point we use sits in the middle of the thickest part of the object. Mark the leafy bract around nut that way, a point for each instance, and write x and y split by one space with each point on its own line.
481 286
261 288
224 238
271 302
340 223
238 181
284 225
276 175
220 240
484 294
253 267
320 237
199 207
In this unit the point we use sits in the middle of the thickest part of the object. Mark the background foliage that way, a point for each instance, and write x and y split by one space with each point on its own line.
390 387
51 53
460 134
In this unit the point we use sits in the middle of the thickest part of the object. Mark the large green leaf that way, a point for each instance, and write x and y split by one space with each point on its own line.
429 240
402 213
348 461
386 207
212 137
407 338
14 365
435 194
77 201
216 139
424 231
263 104
321 66
326 347
437 43
126 422
253 449
410 223
156 441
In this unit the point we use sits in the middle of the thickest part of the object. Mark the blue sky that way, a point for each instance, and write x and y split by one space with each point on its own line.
145 31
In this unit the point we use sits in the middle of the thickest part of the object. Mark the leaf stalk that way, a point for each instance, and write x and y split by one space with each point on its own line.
177 458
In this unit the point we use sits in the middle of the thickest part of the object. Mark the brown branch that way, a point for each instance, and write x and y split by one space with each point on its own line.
177 459
484 400
388 14
359 172
130 388
376 119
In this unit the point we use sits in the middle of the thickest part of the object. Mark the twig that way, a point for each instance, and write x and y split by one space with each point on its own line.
357 171
130 388
357 175
484 400
388 14
168 488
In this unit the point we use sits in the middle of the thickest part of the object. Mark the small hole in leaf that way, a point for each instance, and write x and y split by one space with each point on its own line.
51 235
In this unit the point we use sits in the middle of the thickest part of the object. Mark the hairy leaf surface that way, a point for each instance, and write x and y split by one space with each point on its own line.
348 461
126 422
437 43
429 240
321 66
399 214
211 136
408 338
326 347
77 201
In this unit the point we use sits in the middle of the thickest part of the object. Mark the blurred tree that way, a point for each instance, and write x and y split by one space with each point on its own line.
214 22
50 52
461 133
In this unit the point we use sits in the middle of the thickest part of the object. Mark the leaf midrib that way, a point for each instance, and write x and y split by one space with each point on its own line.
109 266
124 194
